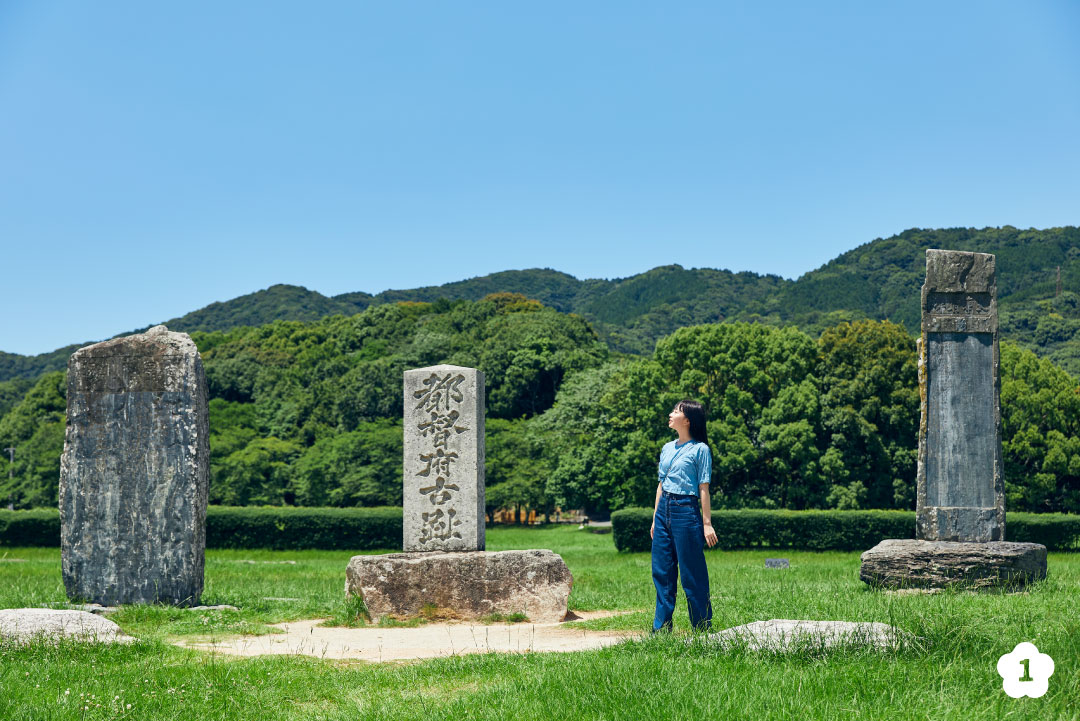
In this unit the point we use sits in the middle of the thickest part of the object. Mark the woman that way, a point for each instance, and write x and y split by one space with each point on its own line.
681 527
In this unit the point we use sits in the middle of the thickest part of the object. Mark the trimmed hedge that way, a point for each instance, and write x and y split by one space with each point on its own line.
37 527
276 528
289 528
1056 531
834 530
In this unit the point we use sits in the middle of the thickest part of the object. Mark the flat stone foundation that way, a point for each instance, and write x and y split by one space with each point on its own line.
908 563
463 585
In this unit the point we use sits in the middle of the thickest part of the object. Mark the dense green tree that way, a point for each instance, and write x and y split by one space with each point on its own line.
1040 417
11 392
789 434
870 413
740 372
363 393
260 473
35 428
361 467
516 466
232 427
613 420
583 448
526 355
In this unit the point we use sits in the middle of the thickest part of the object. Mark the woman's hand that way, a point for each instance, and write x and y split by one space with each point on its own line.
652 527
710 535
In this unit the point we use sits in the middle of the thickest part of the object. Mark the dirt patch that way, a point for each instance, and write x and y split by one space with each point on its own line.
308 638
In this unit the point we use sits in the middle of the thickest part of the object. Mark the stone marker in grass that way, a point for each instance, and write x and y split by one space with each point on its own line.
960 506
28 624
783 635
445 570
134 472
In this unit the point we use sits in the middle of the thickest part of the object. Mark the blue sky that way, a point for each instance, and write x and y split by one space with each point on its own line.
158 157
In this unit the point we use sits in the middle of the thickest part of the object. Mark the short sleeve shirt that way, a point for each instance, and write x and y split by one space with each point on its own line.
684 466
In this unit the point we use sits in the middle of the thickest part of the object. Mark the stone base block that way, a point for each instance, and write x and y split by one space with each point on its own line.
463 585
936 564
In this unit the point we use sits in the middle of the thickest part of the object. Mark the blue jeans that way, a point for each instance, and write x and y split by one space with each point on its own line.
679 547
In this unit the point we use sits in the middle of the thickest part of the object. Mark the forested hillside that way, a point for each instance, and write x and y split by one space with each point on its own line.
881 279
810 384
309 413
878 280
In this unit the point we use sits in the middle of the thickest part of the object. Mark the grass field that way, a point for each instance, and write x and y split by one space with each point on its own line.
948 673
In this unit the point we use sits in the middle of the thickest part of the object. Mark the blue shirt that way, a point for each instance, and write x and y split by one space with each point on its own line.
684 466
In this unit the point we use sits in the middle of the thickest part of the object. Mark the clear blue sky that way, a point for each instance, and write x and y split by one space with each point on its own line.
156 157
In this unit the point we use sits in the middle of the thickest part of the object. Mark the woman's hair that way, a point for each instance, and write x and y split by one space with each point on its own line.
695 413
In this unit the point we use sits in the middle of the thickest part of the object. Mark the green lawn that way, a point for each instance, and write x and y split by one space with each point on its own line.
948 673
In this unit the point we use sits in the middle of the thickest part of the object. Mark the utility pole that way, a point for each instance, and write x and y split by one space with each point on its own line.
11 474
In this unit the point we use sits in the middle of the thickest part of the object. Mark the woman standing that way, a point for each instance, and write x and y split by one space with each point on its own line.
682 519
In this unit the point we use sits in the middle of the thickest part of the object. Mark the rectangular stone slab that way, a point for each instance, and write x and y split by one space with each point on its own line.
443 469
135 470
960 491
466 586
960 428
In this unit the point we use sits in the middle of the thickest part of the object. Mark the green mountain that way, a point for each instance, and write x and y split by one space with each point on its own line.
878 280
278 302
881 280
630 314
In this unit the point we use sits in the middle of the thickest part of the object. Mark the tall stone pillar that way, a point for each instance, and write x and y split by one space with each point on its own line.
961 494
135 470
443 480
960 504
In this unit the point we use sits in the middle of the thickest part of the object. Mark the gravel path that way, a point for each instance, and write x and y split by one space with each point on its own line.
429 641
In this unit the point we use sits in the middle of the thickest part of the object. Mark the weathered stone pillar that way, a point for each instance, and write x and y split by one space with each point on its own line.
960 505
445 570
444 459
135 470
961 494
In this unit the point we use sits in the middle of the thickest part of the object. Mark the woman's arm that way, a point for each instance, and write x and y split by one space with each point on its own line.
706 514
655 506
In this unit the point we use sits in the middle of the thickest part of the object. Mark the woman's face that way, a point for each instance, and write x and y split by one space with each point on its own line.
677 420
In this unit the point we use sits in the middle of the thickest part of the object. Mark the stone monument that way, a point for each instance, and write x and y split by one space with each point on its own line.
960 506
444 459
445 570
135 470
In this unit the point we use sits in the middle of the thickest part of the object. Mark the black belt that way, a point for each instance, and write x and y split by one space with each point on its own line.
669 494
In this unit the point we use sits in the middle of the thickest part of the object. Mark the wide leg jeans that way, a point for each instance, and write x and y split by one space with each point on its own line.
679 547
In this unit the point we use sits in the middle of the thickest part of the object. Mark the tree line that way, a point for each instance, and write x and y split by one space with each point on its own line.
309 413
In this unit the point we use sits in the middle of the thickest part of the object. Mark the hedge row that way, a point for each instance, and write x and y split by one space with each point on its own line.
289 528
276 528
834 530
39 527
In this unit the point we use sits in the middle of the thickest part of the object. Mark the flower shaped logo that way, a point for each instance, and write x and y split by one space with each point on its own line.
1025 671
